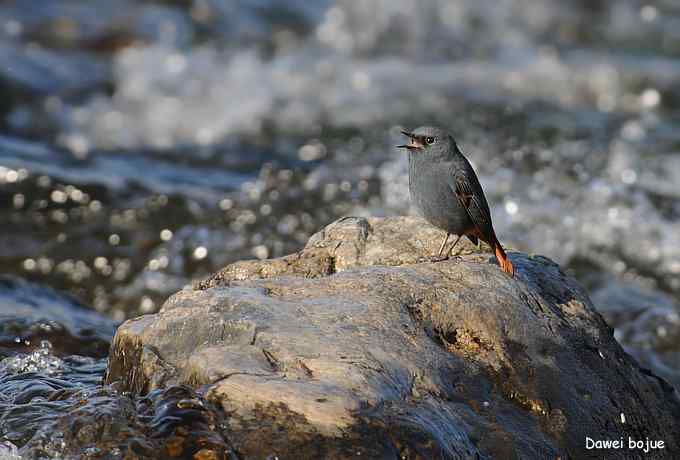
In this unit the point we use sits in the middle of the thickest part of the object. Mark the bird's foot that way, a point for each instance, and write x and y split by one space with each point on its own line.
434 258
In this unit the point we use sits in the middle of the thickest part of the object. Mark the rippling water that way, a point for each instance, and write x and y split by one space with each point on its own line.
146 144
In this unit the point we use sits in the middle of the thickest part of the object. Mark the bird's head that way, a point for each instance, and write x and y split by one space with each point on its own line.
429 141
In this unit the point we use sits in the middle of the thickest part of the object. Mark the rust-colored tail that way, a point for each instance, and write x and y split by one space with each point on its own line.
502 257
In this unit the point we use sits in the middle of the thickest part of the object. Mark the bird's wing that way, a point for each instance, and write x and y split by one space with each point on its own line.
469 193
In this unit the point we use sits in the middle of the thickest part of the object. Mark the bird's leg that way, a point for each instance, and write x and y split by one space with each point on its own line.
439 257
441 248
450 251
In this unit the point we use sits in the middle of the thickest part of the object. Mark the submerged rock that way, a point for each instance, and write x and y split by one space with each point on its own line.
355 346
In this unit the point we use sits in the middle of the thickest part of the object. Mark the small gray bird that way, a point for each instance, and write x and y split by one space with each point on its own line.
445 190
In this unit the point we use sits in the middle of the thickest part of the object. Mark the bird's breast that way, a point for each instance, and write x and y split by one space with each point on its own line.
433 197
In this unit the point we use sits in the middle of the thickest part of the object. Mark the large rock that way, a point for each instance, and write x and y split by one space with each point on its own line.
356 347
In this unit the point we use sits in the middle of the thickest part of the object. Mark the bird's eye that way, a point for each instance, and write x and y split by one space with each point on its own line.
429 140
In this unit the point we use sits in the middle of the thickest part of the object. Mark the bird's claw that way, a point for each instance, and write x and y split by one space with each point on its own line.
434 258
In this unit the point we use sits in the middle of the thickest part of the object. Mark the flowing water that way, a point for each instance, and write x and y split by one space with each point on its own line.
145 144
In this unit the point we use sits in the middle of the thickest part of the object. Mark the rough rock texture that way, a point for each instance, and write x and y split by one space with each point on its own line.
353 347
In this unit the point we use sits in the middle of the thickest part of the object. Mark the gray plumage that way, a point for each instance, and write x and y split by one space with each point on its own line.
435 176
446 191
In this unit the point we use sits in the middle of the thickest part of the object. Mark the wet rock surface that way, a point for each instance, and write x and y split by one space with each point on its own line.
355 346
53 403
171 423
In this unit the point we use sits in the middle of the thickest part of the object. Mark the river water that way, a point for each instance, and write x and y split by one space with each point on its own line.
145 144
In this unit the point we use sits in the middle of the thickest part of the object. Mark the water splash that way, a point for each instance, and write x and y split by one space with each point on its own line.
39 361
9 451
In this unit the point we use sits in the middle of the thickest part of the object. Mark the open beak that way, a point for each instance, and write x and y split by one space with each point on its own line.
415 143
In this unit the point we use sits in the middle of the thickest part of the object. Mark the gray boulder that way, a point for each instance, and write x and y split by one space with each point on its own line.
355 347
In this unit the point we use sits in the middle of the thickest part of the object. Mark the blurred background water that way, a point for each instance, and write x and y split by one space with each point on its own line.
146 143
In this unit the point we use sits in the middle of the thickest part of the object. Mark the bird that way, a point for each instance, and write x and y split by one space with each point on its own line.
446 191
